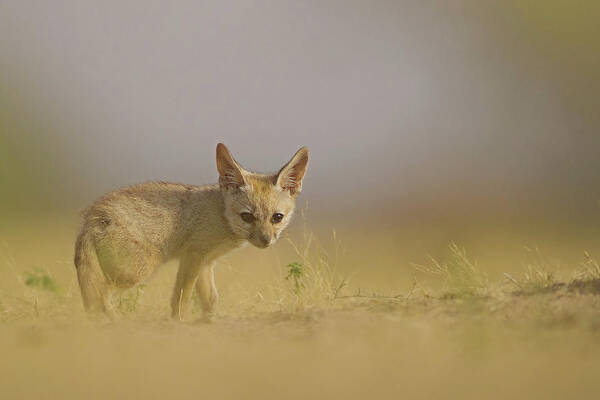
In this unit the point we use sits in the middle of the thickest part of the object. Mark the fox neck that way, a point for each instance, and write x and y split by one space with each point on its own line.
209 230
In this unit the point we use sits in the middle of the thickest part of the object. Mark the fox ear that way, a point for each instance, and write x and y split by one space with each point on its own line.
230 172
290 176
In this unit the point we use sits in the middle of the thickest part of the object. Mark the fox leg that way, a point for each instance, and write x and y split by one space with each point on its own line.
207 291
189 268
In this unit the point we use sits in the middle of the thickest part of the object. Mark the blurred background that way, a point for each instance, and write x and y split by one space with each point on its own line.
428 121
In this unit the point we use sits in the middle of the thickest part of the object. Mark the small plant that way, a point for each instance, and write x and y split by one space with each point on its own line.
39 279
295 273
313 280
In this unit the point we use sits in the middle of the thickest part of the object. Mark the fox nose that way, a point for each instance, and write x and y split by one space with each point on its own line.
264 239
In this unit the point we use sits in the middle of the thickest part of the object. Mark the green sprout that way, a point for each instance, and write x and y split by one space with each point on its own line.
296 272
39 279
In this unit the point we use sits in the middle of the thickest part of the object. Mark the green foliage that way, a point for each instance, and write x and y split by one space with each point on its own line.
39 279
296 273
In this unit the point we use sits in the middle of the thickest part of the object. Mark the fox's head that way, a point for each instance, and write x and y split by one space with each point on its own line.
258 207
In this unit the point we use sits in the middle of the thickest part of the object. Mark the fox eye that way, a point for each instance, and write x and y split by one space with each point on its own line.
277 217
247 217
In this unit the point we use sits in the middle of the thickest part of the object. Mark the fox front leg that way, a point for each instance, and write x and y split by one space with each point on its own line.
207 291
189 268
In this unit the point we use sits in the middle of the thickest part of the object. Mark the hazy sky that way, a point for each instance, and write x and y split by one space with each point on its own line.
395 99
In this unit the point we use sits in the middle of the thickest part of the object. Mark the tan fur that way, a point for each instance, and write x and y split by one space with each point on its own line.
127 234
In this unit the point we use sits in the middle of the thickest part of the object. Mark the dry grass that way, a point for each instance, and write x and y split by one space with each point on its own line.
590 268
293 325
460 274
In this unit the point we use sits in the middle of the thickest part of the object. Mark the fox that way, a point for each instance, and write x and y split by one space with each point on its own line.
128 233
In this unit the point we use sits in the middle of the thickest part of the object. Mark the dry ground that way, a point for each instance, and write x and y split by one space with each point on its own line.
460 330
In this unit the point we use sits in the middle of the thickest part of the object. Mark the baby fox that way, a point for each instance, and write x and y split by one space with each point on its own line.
128 233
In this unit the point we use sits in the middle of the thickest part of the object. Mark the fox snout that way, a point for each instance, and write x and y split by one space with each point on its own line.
262 240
